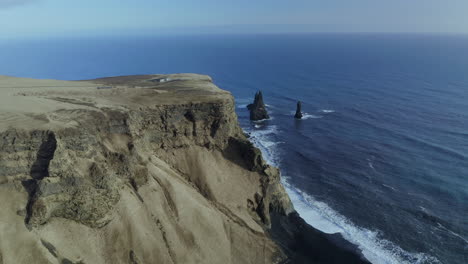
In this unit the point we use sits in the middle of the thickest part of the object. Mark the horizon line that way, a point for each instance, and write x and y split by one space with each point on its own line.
87 34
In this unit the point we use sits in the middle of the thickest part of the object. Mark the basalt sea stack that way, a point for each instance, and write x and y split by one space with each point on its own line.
298 114
257 109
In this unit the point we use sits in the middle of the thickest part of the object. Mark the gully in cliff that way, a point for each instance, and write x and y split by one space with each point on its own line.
298 114
257 109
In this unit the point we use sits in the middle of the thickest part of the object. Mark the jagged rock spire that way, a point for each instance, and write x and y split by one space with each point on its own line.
298 114
257 109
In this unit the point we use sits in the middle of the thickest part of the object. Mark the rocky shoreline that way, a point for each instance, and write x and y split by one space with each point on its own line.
143 171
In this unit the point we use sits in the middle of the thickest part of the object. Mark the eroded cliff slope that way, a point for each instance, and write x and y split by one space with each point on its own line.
137 169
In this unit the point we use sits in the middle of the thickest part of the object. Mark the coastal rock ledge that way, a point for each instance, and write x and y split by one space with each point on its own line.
133 169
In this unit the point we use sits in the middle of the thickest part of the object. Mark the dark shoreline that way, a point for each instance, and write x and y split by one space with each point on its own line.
304 244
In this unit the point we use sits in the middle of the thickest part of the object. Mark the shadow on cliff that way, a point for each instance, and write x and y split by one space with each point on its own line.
244 154
304 244
39 170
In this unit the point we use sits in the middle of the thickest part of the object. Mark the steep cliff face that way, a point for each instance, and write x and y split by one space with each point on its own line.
132 170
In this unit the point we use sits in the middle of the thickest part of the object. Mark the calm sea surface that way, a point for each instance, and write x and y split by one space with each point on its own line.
382 153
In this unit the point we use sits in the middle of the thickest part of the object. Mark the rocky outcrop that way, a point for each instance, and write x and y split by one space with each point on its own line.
145 172
257 108
298 114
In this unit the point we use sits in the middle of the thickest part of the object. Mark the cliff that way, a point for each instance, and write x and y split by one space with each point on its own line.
135 169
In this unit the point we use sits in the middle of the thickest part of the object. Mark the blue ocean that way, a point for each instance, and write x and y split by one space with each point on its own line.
381 154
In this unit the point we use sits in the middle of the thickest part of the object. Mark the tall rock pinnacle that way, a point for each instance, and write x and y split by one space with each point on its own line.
298 114
257 109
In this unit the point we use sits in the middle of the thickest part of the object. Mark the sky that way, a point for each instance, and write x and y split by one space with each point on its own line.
39 18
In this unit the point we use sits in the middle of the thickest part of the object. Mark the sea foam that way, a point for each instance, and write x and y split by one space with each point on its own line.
324 218
307 115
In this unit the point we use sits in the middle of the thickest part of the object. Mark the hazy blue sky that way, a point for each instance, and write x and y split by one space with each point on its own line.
68 17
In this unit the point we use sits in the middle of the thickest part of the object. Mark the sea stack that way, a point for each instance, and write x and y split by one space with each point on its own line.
257 109
298 114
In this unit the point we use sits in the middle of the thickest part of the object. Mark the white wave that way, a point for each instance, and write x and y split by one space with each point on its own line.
306 115
242 106
311 216
309 116
451 232
327 111
322 217
270 144
376 249
388 186
262 139
263 120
